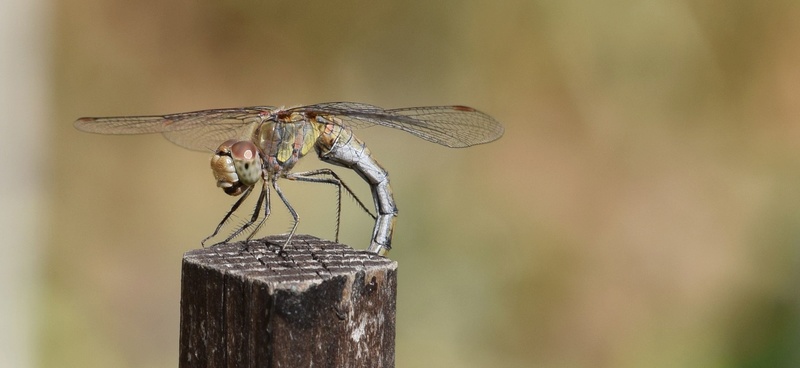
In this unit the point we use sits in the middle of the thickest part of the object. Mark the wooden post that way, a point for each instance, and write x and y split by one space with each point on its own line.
317 303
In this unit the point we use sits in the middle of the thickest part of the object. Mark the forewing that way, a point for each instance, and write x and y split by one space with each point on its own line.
198 130
451 126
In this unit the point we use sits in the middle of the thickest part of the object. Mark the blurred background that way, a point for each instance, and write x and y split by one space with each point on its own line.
642 209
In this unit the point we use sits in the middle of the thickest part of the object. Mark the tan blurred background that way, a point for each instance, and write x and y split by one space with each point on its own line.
642 210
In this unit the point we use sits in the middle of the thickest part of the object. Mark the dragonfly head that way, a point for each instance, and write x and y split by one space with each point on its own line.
236 166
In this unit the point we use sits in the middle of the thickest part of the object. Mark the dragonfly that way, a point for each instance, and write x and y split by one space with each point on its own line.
261 144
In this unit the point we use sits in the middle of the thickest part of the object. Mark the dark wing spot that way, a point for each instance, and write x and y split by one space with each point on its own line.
463 108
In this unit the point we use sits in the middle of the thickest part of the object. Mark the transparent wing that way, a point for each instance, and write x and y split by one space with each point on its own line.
451 126
198 130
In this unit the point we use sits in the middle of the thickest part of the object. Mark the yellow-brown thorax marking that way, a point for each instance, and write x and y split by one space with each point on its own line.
285 141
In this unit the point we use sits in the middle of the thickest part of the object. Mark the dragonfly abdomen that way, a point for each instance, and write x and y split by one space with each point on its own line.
339 146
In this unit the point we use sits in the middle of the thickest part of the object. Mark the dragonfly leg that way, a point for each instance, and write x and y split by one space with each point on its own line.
295 217
228 215
263 198
328 176
267 212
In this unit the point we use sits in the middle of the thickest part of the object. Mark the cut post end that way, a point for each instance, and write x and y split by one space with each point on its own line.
315 302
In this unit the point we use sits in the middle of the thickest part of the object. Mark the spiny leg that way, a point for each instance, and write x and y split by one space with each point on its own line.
336 180
295 217
312 177
256 214
267 212
338 183
228 215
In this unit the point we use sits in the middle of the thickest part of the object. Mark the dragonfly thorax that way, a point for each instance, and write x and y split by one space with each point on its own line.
236 166
283 143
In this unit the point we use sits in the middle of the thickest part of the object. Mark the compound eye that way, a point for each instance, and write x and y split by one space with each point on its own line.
243 150
225 147
246 161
